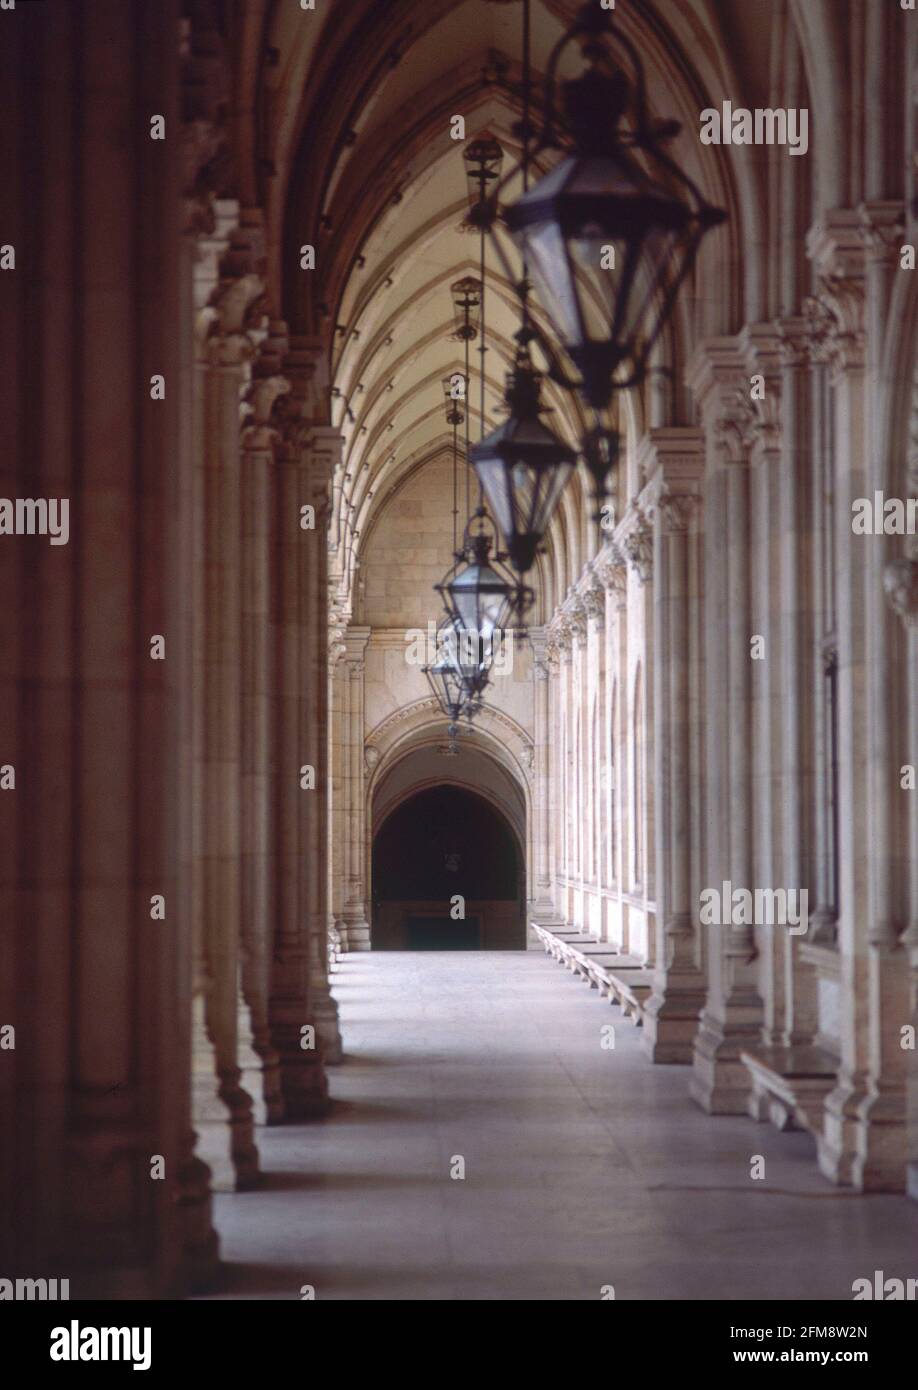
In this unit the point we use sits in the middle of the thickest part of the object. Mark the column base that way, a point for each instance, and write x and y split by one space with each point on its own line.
325 1012
226 1133
259 1072
837 1146
720 1083
200 1261
672 1018
304 1087
209 1111
357 934
864 1139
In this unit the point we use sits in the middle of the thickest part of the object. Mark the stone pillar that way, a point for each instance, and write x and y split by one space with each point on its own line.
260 440
554 765
225 352
337 694
565 747
760 345
732 1016
324 449
541 905
674 487
296 763
98 1178
577 807
838 319
611 570
634 535
594 601
354 817
799 569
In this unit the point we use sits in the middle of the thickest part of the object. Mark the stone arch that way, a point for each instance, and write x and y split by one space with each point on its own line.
495 738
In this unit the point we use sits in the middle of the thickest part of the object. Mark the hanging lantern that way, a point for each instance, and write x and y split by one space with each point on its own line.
610 234
522 465
484 160
479 594
466 296
458 675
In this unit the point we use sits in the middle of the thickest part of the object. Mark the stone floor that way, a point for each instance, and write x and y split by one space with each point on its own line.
584 1166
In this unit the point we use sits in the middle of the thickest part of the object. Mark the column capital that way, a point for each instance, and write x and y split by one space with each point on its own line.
611 569
575 614
594 601
260 426
882 230
355 641
634 536
836 313
794 341
678 511
675 476
718 375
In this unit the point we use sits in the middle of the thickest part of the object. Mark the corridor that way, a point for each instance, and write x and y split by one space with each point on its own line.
584 1166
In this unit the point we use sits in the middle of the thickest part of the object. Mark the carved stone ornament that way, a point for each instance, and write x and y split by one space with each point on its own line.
678 509
638 546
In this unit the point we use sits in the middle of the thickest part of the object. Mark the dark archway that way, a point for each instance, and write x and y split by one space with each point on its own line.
441 845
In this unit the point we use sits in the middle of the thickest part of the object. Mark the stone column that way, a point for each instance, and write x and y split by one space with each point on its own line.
732 1016
563 790
577 807
798 564
554 765
676 469
760 345
297 751
594 601
901 584
541 905
337 692
98 1179
611 570
849 1144
354 817
324 449
225 351
635 537
260 441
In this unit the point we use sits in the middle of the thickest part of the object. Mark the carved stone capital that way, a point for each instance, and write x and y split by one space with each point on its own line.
594 601
638 547
837 325
794 341
836 313
882 230
611 569
678 510
575 614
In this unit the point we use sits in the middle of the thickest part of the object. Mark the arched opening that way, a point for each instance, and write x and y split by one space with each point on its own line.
447 875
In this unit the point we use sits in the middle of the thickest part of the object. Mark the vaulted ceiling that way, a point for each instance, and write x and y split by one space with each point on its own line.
345 135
